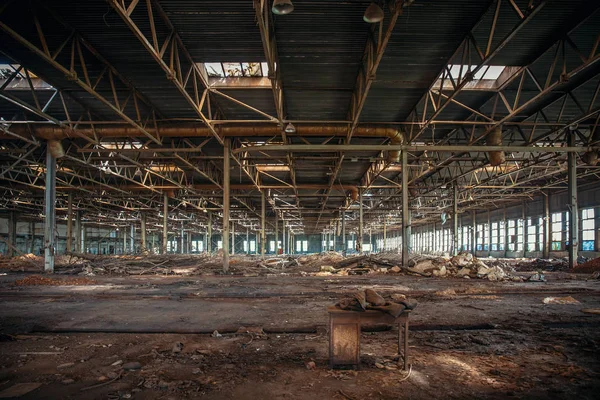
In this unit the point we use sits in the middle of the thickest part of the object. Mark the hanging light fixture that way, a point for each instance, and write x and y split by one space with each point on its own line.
282 7
290 128
373 13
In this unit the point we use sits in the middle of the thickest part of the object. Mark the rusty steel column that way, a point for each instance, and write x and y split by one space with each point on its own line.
262 224
144 246
232 237
12 234
69 224
78 232
209 233
344 244
226 186
385 233
405 210
359 245
473 232
165 232
455 217
32 232
50 217
573 207
276 234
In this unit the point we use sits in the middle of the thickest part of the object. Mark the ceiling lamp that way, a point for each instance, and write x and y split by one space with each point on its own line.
282 7
373 13
290 128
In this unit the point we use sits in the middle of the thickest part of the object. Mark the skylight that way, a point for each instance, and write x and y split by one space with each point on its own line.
488 72
237 69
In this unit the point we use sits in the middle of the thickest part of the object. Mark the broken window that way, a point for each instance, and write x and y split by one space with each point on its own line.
557 225
237 69
531 235
588 230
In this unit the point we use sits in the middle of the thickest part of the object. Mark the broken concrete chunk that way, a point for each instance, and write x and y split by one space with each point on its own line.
395 269
177 347
560 300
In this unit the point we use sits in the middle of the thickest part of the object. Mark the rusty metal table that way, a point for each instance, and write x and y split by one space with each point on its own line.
344 334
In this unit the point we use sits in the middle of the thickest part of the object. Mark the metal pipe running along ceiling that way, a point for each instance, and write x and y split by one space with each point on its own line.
263 130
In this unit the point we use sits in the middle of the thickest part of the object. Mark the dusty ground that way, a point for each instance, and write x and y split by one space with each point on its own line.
469 338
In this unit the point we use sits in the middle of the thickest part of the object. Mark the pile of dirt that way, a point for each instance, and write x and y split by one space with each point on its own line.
36 280
541 264
588 267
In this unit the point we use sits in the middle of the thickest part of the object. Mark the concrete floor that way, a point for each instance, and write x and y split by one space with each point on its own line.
457 318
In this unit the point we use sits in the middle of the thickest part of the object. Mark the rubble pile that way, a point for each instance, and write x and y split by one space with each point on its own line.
588 267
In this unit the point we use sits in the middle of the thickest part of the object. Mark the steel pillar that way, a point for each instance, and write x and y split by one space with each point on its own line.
182 240
247 241
132 239
525 227
359 244
573 208
344 244
69 224
226 183
144 246
473 232
50 217
405 210
276 234
455 220
262 224
232 237
165 232
78 232
209 234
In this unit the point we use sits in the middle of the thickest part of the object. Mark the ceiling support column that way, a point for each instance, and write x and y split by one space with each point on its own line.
50 208
12 234
473 232
69 224
143 232
455 218
132 239
226 186
182 239
546 235
248 241
276 234
165 232
209 234
573 209
359 242
78 232
262 224
405 210
344 244
232 237
385 233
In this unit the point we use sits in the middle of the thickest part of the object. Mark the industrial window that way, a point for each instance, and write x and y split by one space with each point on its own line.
351 244
501 235
494 238
366 247
489 72
252 245
520 234
557 228
272 246
480 236
305 245
325 244
511 235
237 69
197 245
588 231
245 246
466 238
531 234
219 244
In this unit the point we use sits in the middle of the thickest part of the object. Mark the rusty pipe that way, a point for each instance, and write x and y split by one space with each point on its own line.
52 132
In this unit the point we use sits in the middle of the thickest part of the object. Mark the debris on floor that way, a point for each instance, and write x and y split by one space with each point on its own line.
36 280
560 300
